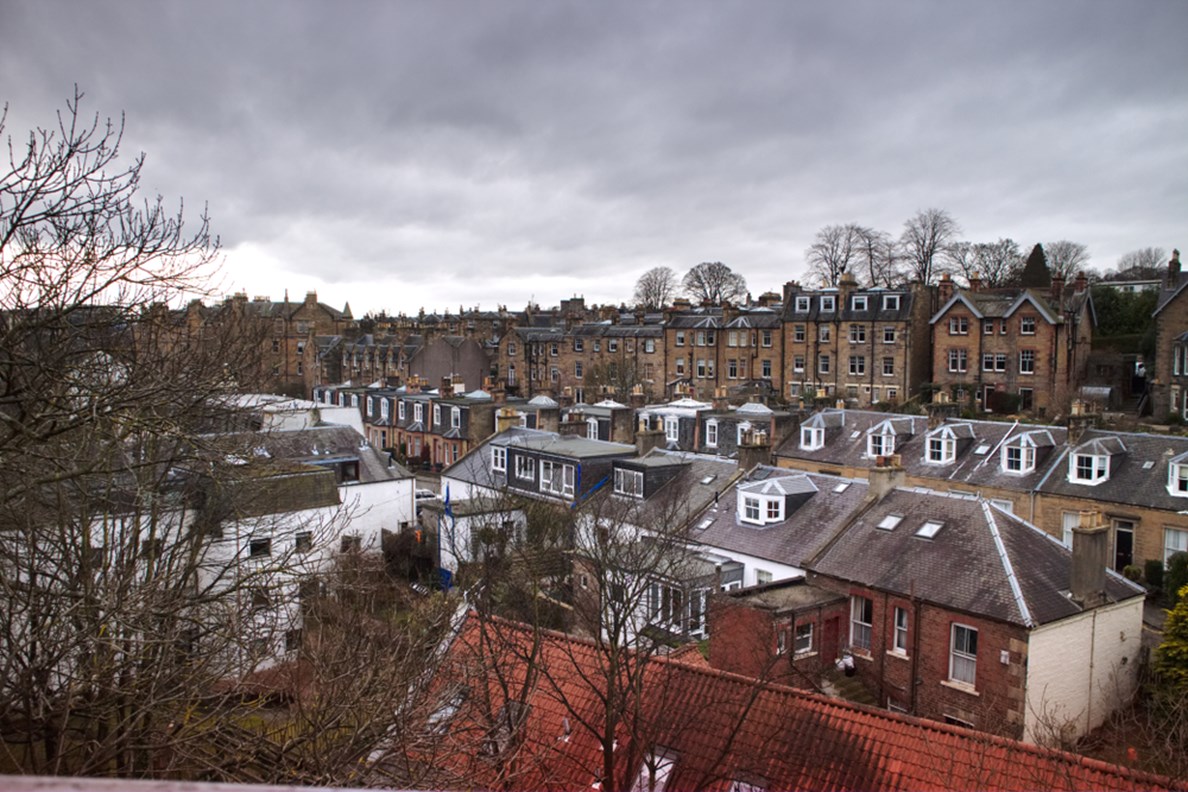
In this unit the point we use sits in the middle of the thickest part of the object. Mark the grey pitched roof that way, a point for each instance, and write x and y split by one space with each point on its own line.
797 538
874 311
318 445
970 468
982 561
1138 476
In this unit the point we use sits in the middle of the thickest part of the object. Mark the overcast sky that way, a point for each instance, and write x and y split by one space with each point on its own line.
405 154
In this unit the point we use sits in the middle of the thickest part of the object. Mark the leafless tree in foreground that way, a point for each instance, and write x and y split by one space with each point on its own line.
834 251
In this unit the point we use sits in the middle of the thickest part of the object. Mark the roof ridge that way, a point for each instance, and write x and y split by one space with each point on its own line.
1008 567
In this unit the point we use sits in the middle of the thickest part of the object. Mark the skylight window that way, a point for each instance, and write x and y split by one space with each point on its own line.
930 529
708 479
855 434
1148 464
982 449
889 522
845 485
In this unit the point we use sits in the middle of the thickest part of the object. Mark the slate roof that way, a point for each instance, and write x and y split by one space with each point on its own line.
314 445
846 313
1009 570
720 729
846 445
1004 303
1130 481
796 539
475 466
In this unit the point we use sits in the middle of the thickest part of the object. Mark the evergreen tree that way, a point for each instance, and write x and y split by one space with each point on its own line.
1035 271
1173 652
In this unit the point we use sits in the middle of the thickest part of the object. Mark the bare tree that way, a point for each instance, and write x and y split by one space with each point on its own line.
1066 258
656 288
995 264
878 259
834 252
1143 263
924 238
714 283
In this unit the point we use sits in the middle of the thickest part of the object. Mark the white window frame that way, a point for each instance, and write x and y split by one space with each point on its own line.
418 412
828 303
889 335
799 333
672 429
803 304
680 338
1027 361
711 433
1096 465
1175 540
857 334
556 478
958 325
1018 459
456 417
880 445
525 468
899 644
400 411
629 483
591 428
1027 325
437 415
802 638
823 364
860 302
825 333
963 664
812 437
890 302
861 631
940 450
857 365
499 459
1177 479
385 410
798 363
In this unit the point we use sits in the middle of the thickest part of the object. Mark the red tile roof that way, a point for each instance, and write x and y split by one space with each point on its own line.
720 727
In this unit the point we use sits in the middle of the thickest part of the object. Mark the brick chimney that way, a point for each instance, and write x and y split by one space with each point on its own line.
574 424
447 388
720 404
1173 270
975 282
636 398
646 439
944 289
622 425
506 418
1081 283
755 449
886 475
1090 554
1057 292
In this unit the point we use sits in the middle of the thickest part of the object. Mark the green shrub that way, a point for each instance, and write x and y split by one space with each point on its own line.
1177 575
1133 572
1153 572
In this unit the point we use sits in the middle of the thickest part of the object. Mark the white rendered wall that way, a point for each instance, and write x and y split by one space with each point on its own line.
1081 669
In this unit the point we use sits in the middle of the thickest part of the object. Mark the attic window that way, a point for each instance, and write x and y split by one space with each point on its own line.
930 529
812 438
760 509
880 445
1018 460
629 483
982 449
941 450
889 522
854 435
1177 479
709 479
1088 468
845 485
802 304
1148 464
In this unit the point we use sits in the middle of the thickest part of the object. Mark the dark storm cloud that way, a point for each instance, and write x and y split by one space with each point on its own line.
455 153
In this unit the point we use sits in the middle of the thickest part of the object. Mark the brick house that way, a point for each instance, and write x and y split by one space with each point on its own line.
863 345
1008 350
1169 386
712 347
987 648
1138 481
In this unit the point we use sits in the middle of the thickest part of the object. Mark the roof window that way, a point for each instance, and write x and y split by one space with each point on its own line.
929 529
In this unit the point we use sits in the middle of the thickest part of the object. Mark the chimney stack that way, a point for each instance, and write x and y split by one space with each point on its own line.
636 399
944 289
886 475
975 282
447 388
1081 283
1173 270
754 450
506 418
1090 554
646 439
1057 292
720 403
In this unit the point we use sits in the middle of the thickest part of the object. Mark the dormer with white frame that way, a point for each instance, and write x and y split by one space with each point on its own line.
1020 453
884 437
1177 476
771 501
942 444
1089 463
813 431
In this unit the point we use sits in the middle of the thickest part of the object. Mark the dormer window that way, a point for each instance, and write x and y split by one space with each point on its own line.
880 445
384 409
370 406
1177 476
437 415
456 417
860 302
941 450
672 429
761 509
499 459
1018 459
1089 468
591 428
890 302
711 433
828 303
802 304
812 437
400 410
629 483
418 412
